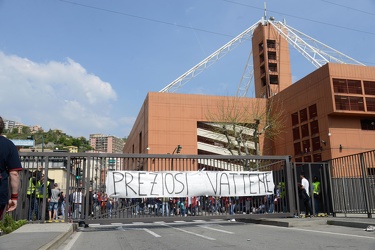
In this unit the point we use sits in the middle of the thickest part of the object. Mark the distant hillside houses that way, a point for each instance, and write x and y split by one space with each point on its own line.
10 125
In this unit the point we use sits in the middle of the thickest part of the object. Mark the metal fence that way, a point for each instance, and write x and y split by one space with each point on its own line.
321 202
82 178
353 184
347 186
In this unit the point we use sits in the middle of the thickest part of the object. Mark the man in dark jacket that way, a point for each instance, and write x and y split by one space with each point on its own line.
10 164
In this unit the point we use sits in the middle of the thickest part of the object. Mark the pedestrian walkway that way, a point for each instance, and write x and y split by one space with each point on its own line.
52 235
37 236
310 222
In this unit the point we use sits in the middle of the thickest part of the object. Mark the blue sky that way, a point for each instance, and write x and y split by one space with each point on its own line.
86 66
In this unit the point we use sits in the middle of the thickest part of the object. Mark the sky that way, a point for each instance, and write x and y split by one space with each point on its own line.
86 66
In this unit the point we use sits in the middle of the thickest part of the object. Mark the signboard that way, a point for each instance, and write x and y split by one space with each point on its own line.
23 143
139 184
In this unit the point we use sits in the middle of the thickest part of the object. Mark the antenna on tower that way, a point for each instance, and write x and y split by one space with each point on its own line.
265 10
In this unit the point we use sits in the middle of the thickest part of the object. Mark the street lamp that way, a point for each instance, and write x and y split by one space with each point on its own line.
33 138
176 150
256 136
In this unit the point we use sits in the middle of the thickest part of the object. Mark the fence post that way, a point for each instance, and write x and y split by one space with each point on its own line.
68 190
86 179
365 191
295 189
289 180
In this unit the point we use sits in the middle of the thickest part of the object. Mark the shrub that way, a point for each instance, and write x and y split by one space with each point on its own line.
9 225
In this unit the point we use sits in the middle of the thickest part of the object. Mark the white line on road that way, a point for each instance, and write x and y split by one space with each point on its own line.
215 229
72 241
324 232
152 233
188 232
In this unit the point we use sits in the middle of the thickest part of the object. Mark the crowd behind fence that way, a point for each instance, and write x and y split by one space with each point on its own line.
346 186
81 179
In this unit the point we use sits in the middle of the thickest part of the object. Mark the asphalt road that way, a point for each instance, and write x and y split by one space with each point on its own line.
218 235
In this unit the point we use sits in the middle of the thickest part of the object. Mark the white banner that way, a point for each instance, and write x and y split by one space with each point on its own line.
139 184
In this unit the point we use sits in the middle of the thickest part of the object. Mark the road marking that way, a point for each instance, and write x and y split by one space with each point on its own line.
72 241
137 229
199 221
188 232
152 233
324 232
215 229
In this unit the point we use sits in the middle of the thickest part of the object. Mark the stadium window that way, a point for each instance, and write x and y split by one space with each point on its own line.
313 112
370 104
303 115
296 135
305 130
314 127
339 86
295 119
369 87
368 124
354 87
297 148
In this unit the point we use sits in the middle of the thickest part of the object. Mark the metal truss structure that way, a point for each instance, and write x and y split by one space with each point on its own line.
316 52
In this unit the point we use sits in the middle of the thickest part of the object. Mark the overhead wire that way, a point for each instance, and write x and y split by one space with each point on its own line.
228 1
351 8
303 18
219 33
145 18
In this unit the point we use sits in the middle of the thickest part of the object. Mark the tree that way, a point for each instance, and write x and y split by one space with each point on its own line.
242 121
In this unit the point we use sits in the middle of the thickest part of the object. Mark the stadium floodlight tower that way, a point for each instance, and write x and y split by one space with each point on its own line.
313 50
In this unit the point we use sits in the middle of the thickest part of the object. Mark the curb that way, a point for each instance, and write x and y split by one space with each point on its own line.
354 224
265 222
295 222
58 240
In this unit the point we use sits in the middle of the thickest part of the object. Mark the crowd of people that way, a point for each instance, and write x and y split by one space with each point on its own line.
102 205
37 193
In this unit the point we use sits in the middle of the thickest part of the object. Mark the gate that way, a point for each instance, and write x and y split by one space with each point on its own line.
82 178
321 202
353 184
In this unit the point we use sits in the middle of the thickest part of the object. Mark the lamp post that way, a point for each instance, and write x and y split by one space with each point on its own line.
42 143
256 136
176 150
33 138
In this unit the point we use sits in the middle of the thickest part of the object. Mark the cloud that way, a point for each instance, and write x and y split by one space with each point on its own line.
55 95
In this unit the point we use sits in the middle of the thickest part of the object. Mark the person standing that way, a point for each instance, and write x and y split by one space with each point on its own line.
61 205
10 165
165 206
41 196
31 195
53 202
316 190
77 201
305 186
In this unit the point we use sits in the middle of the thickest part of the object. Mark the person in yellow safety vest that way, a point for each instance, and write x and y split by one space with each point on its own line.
280 196
31 195
316 186
39 191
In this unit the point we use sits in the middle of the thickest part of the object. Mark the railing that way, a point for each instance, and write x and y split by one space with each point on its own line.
82 178
353 184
